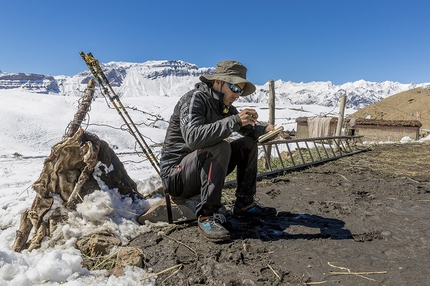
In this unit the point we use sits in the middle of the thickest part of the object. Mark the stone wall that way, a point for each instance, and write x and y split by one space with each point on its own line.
371 130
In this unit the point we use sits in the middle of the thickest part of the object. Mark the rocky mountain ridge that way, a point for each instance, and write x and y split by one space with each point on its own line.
174 78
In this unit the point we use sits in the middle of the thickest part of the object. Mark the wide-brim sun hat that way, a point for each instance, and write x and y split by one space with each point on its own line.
232 72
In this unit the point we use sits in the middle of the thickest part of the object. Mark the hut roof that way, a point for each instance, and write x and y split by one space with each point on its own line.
305 119
380 122
377 122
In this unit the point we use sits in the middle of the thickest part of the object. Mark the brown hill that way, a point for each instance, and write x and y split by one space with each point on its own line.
413 104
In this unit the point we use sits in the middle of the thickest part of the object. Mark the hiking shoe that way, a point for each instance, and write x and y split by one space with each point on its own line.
211 227
254 210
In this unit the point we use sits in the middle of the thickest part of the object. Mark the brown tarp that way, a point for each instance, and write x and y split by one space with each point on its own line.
68 172
319 127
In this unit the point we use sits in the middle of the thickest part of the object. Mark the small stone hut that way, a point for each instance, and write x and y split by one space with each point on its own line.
383 130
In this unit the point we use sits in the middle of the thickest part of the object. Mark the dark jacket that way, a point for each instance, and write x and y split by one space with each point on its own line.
198 122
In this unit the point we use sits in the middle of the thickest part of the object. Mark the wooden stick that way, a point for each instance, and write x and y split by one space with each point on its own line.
358 273
106 259
343 177
412 180
177 241
274 271
173 273
161 272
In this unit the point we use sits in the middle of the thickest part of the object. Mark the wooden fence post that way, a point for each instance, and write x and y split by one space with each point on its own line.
271 115
271 102
340 119
341 114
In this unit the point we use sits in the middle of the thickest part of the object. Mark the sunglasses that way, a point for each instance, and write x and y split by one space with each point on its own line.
234 88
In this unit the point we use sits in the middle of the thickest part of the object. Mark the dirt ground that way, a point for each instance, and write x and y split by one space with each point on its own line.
359 220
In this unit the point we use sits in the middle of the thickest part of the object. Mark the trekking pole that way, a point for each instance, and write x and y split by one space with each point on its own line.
93 65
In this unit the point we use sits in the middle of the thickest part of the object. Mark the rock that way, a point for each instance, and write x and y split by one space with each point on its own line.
129 256
182 211
98 244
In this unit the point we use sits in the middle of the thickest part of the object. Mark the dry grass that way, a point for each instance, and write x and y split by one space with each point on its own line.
410 163
401 106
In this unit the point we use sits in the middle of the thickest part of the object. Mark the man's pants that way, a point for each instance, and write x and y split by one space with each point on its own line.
203 172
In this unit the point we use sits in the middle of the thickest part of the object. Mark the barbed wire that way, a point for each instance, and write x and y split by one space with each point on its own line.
86 124
78 103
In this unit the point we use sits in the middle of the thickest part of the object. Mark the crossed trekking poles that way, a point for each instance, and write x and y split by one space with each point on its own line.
94 67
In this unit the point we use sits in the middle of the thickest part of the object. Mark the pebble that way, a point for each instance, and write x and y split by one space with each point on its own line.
385 233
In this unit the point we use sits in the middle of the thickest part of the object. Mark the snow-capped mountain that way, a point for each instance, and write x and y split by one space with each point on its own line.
29 82
174 78
359 93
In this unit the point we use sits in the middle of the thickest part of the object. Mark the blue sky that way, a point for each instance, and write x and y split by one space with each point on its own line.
300 41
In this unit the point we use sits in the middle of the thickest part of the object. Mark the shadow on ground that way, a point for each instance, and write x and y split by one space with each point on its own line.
287 225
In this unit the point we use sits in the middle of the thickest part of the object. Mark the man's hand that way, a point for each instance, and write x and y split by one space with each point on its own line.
269 128
248 116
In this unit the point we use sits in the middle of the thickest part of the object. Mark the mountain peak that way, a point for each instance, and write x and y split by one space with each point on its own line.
176 77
